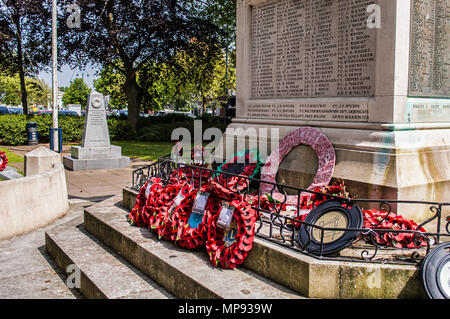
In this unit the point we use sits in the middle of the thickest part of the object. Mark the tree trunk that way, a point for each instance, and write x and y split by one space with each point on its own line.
134 94
23 88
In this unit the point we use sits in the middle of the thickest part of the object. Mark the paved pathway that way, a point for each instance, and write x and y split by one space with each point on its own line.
26 271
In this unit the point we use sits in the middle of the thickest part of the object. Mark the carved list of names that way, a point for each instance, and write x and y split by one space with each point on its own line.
305 48
429 72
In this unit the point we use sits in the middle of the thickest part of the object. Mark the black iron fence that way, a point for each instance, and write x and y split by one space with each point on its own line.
277 227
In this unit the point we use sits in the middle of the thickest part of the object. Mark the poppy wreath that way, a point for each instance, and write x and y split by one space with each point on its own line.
198 156
161 221
3 161
229 255
187 236
372 220
150 204
246 163
136 216
190 174
307 202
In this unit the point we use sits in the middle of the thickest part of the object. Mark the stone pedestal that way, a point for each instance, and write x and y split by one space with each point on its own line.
95 151
381 95
40 160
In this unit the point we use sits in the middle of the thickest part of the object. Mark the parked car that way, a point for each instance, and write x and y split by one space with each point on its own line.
15 110
67 112
43 112
3 110
119 113
60 112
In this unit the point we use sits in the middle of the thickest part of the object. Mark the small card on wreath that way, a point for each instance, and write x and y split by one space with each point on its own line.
200 202
198 209
177 201
147 190
225 216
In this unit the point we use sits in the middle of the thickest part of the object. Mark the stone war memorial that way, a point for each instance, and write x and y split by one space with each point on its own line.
96 151
372 76
332 181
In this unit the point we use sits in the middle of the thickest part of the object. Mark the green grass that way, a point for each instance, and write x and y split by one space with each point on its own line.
145 150
12 158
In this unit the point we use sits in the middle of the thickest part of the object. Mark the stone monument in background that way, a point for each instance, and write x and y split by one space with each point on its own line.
373 76
96 151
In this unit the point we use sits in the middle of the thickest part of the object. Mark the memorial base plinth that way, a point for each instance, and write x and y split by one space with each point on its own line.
395 162
96 158
74 164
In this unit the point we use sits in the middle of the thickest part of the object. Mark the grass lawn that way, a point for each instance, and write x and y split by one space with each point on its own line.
12 158
145 150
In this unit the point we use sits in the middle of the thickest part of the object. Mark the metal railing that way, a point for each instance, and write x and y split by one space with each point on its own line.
273 225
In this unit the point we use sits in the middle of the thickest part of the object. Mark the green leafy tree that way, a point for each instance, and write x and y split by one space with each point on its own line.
10 91
111 82
135 33
25 33
76 93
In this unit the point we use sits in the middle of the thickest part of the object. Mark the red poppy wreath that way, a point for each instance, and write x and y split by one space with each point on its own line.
137 214
189 219
228 248
246 163
3 161
171 196
382 220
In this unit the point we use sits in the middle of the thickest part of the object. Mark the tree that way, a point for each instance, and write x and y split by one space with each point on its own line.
76 93
10 91
111 82
196 77
130 35
24 40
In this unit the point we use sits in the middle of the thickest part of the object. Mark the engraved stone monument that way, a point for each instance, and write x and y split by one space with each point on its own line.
95 151
380 94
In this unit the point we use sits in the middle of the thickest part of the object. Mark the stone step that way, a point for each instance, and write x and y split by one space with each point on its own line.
102 275
185 273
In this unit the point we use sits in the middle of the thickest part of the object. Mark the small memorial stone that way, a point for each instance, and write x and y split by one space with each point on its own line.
96 151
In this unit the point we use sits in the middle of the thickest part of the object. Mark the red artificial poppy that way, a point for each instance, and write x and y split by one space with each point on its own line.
188 236
172 196
374 219
229 248
136 216
3 161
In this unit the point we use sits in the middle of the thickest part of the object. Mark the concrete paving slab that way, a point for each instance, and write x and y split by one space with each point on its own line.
37 285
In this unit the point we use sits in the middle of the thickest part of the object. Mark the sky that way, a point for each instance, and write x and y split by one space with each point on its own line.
68 74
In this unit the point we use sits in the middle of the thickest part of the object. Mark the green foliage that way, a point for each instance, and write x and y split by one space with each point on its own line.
10 94
151 129
76 93
160 129
111 82
13 129
120 129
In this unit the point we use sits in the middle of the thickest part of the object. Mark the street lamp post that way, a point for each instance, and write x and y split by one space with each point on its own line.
55 76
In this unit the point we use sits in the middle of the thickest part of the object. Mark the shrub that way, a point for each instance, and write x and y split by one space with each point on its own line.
120 129
13 129
154 129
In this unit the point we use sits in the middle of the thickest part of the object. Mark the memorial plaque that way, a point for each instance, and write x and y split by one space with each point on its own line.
303 48
429 72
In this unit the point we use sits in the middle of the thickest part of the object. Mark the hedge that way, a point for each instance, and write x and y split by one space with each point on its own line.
158 129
